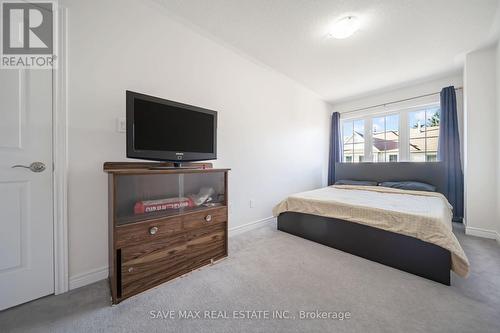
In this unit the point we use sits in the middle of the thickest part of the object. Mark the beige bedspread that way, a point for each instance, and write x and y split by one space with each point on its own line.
423 215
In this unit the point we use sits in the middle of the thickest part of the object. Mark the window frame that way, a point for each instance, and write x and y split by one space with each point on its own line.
353 159
404 129
384 115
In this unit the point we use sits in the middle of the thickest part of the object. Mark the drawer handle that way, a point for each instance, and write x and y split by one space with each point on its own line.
208 218
153 230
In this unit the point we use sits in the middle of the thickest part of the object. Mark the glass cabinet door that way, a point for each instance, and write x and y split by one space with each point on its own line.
142 197
204 189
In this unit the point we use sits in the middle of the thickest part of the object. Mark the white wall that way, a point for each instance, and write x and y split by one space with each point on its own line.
408 91
273 133
481 145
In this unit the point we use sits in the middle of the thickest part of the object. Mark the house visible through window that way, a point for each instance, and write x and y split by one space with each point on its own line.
424 134
353 135
407 135
385 138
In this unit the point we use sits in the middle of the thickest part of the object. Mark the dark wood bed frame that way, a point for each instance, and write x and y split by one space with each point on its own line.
406 253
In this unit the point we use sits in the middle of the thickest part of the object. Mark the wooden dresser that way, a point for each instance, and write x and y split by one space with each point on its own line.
163 222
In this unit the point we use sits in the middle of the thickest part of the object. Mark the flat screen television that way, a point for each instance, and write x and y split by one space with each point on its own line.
163 130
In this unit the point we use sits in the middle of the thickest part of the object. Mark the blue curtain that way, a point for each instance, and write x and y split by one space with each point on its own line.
335 147
449 152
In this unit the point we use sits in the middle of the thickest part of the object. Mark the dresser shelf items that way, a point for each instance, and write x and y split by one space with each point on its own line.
163 222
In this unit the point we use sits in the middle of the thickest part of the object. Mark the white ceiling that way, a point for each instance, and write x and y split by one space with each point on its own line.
399 40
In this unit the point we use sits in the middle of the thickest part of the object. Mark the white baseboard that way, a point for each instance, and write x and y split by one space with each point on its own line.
480 232
99 274
89 277
249 226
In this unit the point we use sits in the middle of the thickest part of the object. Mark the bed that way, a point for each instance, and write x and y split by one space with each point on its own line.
407 230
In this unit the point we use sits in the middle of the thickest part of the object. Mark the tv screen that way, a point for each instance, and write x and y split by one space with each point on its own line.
164 130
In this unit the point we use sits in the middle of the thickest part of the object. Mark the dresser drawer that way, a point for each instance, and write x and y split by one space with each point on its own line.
205 244
177 245
205 218
147 231
152 262
146 266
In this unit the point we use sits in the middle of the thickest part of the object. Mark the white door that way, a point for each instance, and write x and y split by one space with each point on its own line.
26 196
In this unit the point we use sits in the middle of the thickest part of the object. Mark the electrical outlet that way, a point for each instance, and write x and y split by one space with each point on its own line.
121 125
252 203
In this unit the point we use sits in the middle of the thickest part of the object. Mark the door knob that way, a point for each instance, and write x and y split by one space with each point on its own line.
35 166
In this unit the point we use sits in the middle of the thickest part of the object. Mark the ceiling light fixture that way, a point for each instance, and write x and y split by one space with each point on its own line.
344 27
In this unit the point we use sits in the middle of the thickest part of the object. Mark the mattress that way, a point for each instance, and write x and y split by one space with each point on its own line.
423 215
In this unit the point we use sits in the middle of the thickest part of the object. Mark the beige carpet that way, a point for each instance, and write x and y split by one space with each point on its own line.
269 270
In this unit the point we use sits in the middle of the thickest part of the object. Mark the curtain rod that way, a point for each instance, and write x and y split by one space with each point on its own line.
394 102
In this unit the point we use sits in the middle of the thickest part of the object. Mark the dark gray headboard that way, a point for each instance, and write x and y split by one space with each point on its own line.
431 173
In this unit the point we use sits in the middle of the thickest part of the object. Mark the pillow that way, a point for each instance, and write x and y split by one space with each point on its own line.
356 182
410 185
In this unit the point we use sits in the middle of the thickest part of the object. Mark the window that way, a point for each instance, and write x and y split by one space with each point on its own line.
353 134
385 138
406 135
424 134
